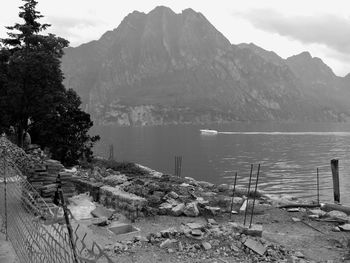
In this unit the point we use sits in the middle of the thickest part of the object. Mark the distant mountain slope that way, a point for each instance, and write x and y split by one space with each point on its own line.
163 67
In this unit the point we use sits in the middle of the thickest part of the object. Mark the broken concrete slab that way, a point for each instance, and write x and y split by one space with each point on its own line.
102 212
255 230
255 246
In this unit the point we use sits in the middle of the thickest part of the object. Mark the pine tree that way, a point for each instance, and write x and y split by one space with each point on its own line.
31 63
32 96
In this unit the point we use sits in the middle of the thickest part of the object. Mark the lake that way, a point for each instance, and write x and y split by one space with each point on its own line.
288 153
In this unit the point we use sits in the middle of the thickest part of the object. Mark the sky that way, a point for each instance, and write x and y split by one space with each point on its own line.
287 27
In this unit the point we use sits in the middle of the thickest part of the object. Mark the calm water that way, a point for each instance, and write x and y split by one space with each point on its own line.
288 153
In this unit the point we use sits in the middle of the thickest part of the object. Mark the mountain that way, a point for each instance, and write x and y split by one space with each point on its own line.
163 67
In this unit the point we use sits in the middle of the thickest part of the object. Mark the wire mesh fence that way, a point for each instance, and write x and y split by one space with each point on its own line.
27 220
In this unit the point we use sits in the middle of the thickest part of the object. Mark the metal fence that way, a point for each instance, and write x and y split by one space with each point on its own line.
28 221
37 233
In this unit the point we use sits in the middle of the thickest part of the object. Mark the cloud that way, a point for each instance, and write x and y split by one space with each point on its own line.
329 30
74 29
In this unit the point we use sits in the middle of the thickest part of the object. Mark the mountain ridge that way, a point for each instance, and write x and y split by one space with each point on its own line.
167 68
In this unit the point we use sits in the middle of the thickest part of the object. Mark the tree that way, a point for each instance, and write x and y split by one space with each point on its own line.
31 63
66 131
32 96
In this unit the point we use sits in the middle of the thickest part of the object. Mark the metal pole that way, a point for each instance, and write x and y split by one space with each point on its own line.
66 217
180 165
256 187
233 194
250 180
5 195
318 188
175 165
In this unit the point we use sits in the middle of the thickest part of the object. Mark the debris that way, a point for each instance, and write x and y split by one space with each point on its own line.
318 212
292 210
345 227
191 209
178 210
334 214
212 221
81 206
299 254
329 207
243 207
168 243
195 225
295 219
206 245
336 229
255 246
102 212
254 230
196 232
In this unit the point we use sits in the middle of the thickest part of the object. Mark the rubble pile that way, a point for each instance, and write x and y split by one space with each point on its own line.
15 156
210 241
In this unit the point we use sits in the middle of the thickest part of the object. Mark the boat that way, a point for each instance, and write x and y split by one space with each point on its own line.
208 132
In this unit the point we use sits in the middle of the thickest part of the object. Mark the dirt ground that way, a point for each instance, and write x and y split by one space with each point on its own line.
316 241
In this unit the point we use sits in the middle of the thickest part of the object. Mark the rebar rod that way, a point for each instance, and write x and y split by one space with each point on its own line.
318 188
250 180
233 194
256 187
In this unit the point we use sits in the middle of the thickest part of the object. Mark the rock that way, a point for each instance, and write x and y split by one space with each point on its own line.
191 209
318 212
141 239
243 207
213 210
173 195
335 229
337 214
196 232
165 208
295 219
181 248
178 210
299 254
205 184
195 225
168 232
255 246
237 200
212 221
168 243
223 187
206 245
345 227
115 179
292 210
170 250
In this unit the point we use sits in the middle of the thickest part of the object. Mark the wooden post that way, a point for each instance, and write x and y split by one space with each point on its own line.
335 175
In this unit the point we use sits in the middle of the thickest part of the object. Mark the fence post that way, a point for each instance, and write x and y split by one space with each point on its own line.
335 175
5 194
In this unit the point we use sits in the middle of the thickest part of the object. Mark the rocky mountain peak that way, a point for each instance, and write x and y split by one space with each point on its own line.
166 67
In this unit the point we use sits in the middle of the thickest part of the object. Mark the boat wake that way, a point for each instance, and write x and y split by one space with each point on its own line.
289 133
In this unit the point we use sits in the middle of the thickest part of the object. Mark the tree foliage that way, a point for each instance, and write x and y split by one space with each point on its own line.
32 89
